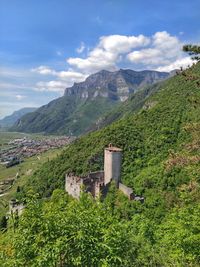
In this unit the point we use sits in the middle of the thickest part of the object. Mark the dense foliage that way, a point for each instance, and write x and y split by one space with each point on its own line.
161 162
65 232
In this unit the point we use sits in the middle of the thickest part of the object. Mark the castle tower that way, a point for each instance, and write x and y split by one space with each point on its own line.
112 164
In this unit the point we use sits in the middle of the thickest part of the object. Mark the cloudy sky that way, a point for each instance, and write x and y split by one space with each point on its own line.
47 45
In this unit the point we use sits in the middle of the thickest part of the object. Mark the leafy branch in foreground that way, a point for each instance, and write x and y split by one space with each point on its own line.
192 50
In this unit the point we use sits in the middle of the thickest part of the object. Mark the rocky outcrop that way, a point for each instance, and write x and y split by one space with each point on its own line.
116 85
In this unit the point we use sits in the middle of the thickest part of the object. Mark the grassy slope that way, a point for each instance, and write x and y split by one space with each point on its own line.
158 158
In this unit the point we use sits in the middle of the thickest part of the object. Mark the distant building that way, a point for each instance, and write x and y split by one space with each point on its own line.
98 182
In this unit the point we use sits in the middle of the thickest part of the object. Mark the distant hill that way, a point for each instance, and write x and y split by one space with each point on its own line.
87 102
10 120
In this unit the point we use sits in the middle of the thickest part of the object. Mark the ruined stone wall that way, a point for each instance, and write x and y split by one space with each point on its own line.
96 175
91 184
73 185
96 182
126 190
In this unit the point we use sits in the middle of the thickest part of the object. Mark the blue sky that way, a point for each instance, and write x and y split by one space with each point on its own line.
46 45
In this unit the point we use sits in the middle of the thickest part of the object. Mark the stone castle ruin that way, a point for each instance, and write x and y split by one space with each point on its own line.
98 182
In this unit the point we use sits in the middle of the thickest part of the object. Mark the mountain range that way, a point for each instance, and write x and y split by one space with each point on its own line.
86 103
10 120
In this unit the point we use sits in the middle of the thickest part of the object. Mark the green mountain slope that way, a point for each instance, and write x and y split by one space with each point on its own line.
87 102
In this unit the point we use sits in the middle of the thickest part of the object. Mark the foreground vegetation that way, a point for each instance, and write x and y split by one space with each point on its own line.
64 232
161 162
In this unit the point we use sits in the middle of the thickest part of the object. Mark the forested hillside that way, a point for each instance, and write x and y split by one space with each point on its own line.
161 161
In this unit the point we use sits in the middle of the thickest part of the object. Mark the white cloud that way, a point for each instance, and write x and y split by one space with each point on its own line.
183 62
81 48
121 44
161 52
45 70
71 76
108 52
164 52
20 97
64 79
53 86
65 75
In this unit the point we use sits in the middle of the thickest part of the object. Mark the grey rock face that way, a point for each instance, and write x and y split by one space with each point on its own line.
116 85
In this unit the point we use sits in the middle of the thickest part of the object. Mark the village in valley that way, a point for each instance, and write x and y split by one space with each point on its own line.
19 155
17 149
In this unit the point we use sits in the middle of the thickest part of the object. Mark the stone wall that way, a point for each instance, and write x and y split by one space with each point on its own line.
127 191
97 182
91 184
73 185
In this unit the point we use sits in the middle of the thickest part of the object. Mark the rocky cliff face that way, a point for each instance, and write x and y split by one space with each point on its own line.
116 85
85 103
